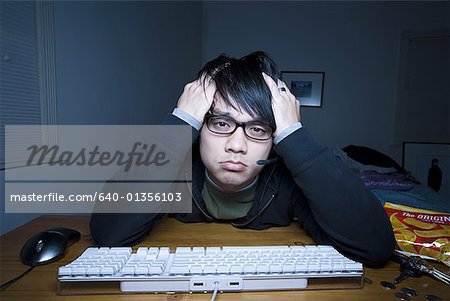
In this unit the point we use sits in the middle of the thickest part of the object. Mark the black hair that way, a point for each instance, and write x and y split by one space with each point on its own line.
241 85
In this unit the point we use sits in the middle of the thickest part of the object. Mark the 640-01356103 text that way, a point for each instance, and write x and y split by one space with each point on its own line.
142 197
101 197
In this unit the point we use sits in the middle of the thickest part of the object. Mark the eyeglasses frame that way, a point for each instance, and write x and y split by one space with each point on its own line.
238 125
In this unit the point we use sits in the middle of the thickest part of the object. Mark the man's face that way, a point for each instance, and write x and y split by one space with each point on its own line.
231 160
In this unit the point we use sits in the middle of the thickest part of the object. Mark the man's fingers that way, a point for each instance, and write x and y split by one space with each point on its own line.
210 84
197 97
275 87
284 105
203 85
270 83
282 84
210 89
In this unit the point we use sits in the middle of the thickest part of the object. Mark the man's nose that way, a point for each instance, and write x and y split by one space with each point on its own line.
237 142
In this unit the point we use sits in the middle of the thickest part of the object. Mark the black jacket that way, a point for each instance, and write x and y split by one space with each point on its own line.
308 185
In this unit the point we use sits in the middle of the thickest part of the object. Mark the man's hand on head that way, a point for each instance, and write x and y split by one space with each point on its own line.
197 97
285 107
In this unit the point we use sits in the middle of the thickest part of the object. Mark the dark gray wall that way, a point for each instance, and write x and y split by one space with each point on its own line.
124 62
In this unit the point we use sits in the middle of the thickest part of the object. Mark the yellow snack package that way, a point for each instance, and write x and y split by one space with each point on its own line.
421 232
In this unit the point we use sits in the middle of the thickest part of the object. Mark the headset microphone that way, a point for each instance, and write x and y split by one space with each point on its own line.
266 162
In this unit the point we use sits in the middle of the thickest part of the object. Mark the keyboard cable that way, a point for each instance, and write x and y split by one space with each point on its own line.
216 288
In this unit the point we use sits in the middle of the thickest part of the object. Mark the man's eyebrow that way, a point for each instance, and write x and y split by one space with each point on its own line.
221 113
260 121
227 114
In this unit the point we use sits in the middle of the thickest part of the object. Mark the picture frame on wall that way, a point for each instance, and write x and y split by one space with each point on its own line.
306 86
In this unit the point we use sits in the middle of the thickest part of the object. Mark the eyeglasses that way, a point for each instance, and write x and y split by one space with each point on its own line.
224 125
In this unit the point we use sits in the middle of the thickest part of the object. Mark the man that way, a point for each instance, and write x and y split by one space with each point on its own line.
242 113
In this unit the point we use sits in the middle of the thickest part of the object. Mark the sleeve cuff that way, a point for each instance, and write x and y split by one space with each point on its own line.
186 117
287 132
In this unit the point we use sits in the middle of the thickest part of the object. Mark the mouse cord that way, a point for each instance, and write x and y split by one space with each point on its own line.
6 284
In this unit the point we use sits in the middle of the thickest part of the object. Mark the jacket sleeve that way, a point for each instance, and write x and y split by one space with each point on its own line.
340 211
127 229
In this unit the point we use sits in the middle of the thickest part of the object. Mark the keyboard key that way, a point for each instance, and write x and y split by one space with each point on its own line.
212 250
288 268
153 250
301 268
353 267
155 270
64 271
209 269
127 270
179 270
93 271
196 269
163 254
313 268
236 269
250 269
78 271
151 257
223 269
262 269
141 252
275 268
107 270
159 263
326 267
183 250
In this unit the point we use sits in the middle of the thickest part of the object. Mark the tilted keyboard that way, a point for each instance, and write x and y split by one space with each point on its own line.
201 269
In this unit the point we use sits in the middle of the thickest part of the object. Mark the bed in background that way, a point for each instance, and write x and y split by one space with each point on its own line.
405 184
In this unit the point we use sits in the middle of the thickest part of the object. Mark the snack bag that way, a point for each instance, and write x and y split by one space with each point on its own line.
421 232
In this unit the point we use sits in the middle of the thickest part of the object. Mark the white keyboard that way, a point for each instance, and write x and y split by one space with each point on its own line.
202 269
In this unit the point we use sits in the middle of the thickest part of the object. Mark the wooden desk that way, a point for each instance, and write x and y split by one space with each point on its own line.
40 284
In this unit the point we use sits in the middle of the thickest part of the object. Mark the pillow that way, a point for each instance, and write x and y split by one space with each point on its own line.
368 156
395 181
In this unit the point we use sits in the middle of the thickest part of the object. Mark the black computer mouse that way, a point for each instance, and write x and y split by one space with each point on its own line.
44 247
71 235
